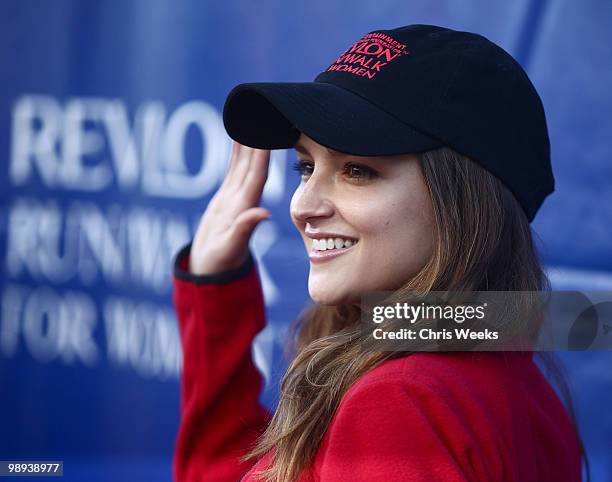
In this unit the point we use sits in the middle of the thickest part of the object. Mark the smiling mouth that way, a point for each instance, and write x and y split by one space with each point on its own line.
316 255
326 244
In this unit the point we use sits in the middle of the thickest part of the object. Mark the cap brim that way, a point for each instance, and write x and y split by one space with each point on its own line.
272 116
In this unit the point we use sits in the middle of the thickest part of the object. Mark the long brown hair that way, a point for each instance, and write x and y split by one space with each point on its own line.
482 241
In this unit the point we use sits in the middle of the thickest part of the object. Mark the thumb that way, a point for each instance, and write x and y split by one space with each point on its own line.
247 221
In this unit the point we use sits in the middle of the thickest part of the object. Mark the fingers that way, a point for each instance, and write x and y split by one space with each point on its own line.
231 168
257 175
232 178
240 164
247 172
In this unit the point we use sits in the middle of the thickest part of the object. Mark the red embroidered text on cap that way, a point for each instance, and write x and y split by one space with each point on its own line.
369 55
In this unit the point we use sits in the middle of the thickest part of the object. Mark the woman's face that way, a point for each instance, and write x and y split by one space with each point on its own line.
382 203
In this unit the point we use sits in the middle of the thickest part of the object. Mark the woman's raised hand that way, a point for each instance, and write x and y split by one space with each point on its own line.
222 238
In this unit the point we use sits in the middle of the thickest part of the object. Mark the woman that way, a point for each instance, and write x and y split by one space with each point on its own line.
386 202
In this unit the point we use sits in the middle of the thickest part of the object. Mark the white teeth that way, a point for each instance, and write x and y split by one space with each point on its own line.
331 243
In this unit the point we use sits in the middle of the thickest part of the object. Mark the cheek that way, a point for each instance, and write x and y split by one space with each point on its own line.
399 237
395 220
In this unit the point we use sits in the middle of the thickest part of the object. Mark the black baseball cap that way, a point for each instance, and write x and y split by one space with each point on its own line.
409 90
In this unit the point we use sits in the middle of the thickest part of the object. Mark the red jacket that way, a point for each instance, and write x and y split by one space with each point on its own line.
434 417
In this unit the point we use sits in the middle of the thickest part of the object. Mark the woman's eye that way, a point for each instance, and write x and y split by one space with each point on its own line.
304 168
358 172
355 172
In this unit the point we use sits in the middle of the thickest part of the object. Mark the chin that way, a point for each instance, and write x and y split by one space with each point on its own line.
325 300
332 299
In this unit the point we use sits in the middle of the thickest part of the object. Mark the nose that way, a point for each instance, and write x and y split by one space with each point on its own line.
312 199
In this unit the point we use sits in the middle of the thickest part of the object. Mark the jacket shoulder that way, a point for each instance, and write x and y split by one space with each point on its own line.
457 377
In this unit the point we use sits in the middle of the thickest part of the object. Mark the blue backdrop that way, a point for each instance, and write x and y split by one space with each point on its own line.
111 144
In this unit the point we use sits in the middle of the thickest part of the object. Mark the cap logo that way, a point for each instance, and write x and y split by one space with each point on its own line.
369 55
